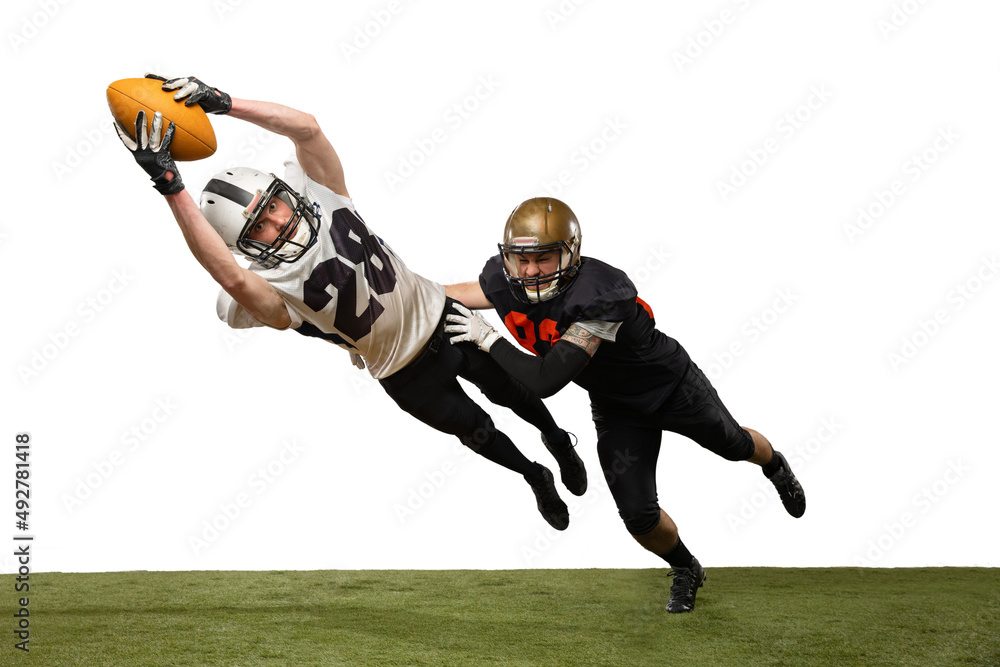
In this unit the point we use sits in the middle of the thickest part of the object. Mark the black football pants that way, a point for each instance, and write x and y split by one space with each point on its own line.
429 390
629 444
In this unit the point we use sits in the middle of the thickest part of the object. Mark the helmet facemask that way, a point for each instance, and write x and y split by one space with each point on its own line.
531 287
233 202
295 237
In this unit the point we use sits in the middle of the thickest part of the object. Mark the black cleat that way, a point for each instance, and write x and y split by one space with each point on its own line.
571 469
550 505
687 581
789 490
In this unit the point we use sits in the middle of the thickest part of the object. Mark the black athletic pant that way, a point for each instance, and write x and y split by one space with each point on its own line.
628 444
429 390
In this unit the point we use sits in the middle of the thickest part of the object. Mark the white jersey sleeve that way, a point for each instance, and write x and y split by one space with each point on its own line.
236 316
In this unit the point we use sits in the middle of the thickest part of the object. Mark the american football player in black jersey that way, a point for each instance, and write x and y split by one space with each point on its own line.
583 321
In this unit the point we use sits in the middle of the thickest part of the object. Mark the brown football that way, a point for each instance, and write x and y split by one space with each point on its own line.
194 138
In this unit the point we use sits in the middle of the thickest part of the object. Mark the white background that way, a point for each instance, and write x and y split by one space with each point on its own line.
898 455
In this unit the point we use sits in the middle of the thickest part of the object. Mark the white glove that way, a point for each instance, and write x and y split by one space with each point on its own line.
212 100
470 327
357 361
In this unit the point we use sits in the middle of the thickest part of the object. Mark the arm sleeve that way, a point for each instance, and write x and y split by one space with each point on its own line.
543 376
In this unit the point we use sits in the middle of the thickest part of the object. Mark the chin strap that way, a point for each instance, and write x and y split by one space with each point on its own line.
542 295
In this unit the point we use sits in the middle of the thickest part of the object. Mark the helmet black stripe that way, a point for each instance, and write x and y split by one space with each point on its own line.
229 191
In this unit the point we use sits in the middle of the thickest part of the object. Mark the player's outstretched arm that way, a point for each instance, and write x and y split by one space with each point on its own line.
313 150
544 376
152 153
471 294
246 287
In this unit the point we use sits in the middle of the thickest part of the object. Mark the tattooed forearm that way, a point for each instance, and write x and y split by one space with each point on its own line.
582 338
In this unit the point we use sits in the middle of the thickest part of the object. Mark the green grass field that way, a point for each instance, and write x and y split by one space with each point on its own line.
744 616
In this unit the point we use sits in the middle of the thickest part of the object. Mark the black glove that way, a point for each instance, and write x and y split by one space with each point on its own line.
153 154
212 100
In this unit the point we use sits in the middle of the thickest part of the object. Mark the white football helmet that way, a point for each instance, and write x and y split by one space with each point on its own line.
234 198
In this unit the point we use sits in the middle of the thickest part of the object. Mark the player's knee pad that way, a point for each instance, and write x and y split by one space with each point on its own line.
482 436
640 520
734 444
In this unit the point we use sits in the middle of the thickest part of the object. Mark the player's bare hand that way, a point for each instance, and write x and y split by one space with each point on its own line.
151 151
212 100
469 327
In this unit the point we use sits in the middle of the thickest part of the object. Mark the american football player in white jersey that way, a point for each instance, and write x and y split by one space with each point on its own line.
317 269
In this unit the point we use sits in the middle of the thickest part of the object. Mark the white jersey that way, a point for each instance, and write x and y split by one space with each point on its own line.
349 288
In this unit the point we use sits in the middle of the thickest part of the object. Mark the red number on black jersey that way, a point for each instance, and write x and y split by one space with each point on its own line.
524 331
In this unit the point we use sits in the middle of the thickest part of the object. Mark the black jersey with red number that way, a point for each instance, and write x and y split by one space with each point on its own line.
637 371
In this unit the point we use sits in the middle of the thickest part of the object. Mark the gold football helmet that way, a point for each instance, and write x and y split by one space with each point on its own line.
538 225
